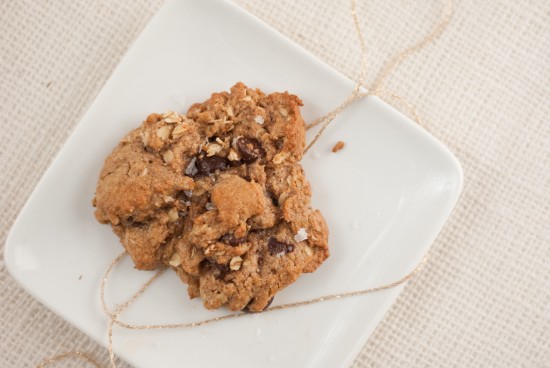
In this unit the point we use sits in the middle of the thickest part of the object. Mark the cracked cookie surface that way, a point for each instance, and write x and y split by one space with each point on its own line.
219 195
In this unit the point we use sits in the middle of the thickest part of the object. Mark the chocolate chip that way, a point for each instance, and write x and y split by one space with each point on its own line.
275 247
231 240
223 269
250 149
208 165
247 310
273 198
219 270
130 222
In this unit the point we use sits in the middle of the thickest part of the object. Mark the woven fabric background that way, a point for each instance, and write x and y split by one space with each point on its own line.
483 89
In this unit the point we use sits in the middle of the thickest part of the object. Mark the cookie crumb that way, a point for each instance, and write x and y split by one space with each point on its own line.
338 146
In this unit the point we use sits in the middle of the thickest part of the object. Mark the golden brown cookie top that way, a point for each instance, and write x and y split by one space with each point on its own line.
219 195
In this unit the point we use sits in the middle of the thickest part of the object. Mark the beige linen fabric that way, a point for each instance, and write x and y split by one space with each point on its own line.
483 89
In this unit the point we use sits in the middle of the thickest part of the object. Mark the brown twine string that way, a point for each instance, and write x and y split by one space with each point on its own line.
114 316
358 93
397 60
70 354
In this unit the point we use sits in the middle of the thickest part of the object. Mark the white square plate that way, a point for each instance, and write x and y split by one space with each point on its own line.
385 196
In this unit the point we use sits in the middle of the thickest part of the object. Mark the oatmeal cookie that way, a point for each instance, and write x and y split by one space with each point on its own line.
219 195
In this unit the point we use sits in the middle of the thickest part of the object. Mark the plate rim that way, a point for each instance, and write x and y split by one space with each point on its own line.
9 246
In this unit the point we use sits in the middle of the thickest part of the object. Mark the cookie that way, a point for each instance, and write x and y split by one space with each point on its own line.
218 195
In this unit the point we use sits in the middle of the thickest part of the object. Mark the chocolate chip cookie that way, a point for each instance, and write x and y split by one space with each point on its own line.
219 195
